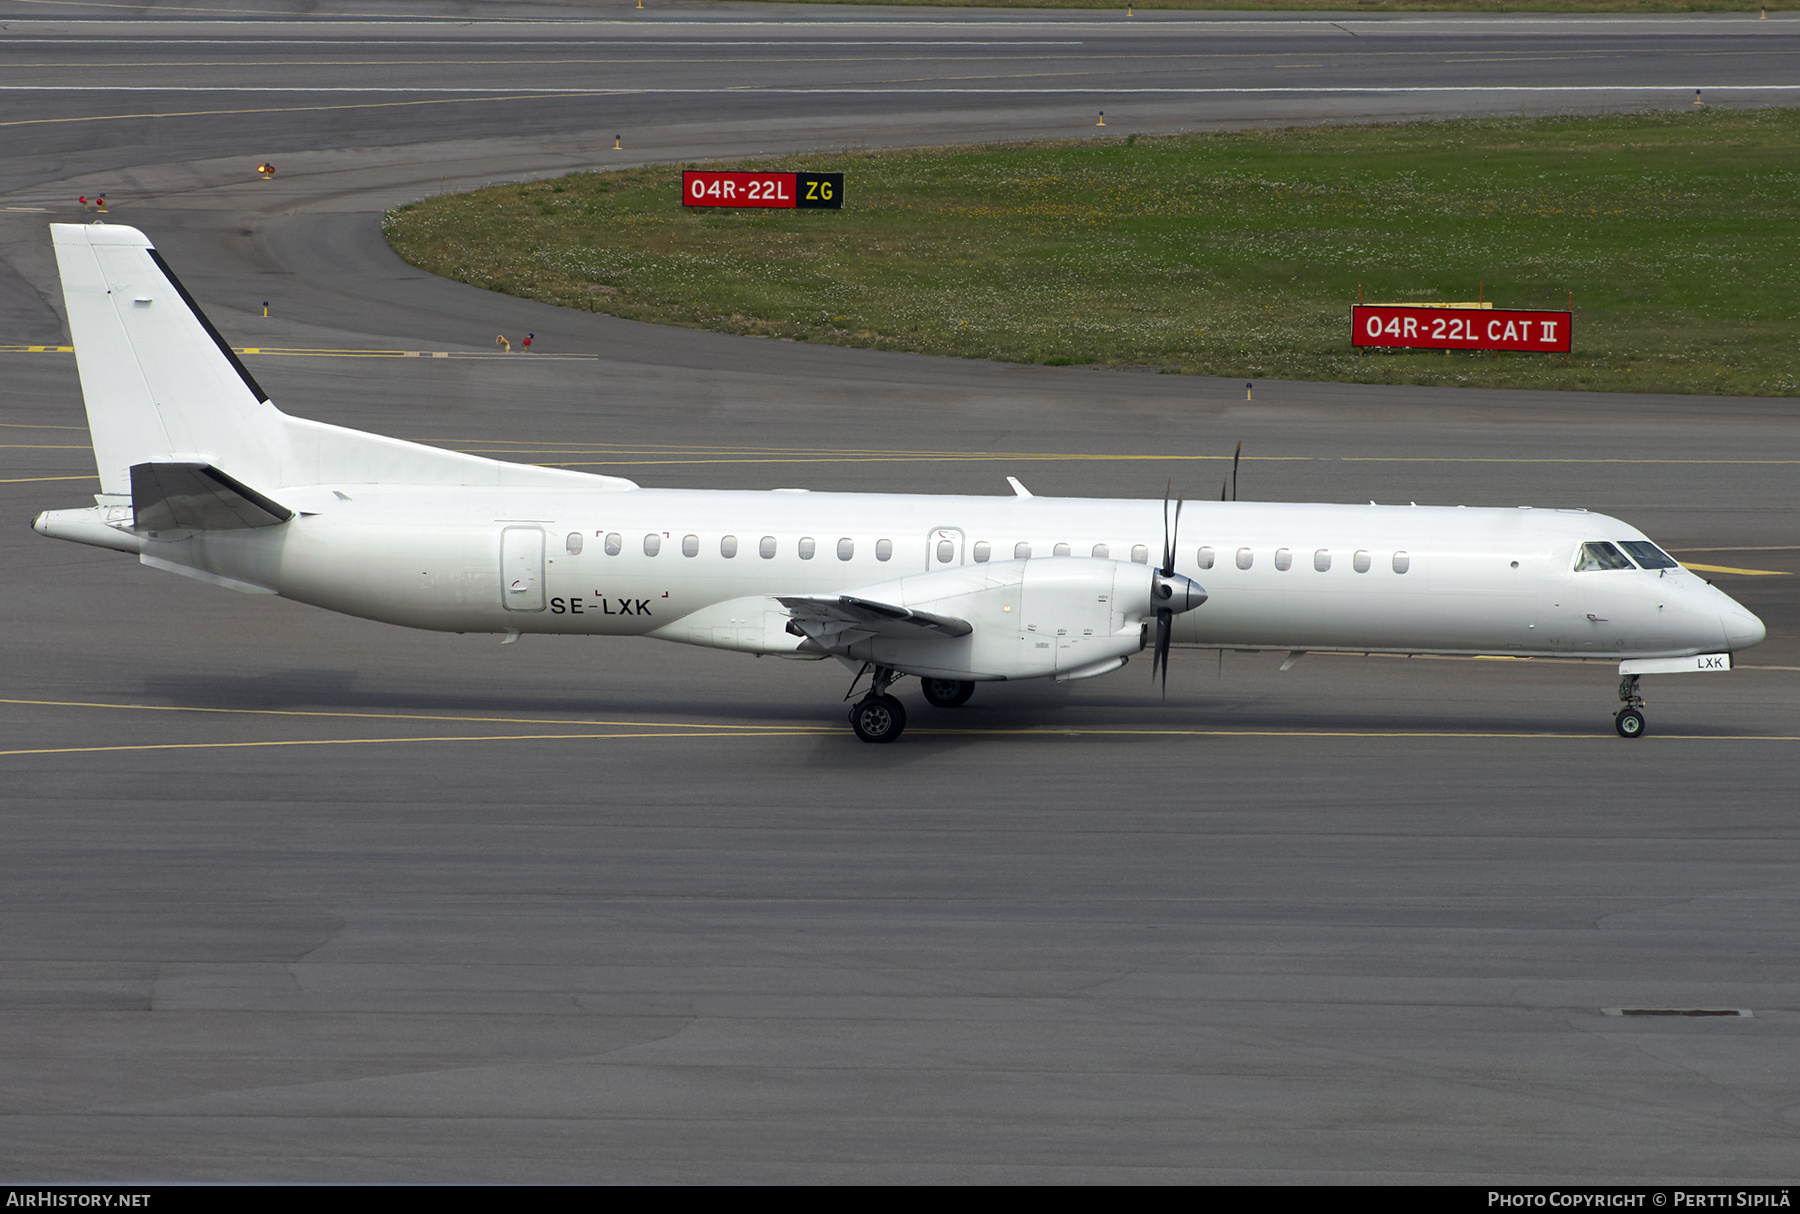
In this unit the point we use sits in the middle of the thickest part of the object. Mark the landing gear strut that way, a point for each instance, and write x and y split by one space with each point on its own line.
1629 720
878 716
946 693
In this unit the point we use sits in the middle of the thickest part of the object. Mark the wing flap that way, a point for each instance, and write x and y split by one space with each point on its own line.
829 618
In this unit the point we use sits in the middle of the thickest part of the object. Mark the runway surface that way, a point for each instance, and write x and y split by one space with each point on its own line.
293 896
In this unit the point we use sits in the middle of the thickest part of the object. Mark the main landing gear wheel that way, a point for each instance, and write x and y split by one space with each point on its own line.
878 718
1629 723
946 693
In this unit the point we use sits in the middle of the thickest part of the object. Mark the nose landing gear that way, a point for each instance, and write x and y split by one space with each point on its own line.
1629 720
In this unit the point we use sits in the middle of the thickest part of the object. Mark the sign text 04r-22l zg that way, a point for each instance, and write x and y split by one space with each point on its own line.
805 191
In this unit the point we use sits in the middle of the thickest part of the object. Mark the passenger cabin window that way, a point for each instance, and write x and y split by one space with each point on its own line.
807 547
1140 554
1245 558
1021 551
1599 554
1284 559
652 544
1102 551
884 549
1360 562
983 550
690 545
574 543
946 552
1649 555
1402 562
1204 558
1322 559
615 543
727 546
1060 550
846 548
765 548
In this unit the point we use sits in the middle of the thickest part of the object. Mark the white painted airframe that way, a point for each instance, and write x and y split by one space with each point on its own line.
202 476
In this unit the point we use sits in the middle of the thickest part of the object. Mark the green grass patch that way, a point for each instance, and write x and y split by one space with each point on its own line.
1234 254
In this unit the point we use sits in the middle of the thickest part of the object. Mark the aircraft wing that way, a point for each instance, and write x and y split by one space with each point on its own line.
842 619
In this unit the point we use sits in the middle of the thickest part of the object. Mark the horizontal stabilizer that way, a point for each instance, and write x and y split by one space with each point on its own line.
838 612
197 497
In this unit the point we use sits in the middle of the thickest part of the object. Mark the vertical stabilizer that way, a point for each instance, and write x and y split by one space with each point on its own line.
159 381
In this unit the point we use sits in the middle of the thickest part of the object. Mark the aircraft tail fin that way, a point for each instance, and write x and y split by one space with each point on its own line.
160 383
164 388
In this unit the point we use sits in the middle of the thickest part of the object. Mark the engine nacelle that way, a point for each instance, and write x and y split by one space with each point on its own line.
1058 616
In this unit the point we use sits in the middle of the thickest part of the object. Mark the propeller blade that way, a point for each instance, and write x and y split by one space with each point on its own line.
1235 456
1165 629
1174 538
1171 533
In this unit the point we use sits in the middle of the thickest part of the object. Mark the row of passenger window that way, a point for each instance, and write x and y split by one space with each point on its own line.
767 547
1361 560
614 543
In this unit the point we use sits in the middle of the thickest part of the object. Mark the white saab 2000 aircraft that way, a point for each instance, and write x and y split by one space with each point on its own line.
201 475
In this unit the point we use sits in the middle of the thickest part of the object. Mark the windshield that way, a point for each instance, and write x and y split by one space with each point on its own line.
1599 555
1649 555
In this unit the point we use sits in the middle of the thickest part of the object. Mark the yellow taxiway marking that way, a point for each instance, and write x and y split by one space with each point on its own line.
27 480
392 716
33 426
523 737
824 731
46 447
1564 459
302 109
1729 569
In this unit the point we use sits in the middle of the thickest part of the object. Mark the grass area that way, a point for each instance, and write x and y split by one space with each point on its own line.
1234 253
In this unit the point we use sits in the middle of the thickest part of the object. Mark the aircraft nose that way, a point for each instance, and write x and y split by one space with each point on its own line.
1742 628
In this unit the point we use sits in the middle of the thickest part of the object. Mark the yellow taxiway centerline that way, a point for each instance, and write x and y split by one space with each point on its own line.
1729 569
832 731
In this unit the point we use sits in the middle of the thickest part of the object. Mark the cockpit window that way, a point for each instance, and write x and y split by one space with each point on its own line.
1649 555
1599 555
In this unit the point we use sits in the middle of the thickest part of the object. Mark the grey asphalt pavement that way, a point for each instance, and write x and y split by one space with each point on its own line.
298 897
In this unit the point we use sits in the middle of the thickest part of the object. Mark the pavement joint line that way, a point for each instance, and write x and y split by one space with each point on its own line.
539 356
522 92
288 109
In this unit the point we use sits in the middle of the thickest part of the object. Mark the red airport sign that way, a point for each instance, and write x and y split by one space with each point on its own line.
1405 326
704 188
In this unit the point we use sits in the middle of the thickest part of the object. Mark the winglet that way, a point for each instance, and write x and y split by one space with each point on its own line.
1018 489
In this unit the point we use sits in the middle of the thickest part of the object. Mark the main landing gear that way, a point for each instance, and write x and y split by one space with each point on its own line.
946 693
1629 720
879 717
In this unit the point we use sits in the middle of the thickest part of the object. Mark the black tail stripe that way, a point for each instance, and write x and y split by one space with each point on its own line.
227 351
